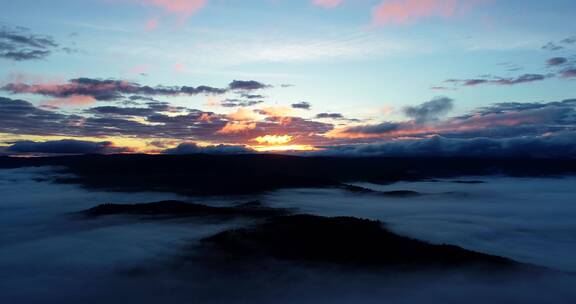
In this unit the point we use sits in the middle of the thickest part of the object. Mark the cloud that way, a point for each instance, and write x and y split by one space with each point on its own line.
111 89
276 111
249 85
121 111
193 148
496 121
522 79
410 11
560 145
198 90
237 127
327 3
242 114
429 111
151 25
98 89
562 44
181 8
65 146
21 117
442 88
551 46
512 107
73 100
569 40
375 129
19 44
569 73
556 61
151 121
252 96
526 78
329 116
233 103
302 105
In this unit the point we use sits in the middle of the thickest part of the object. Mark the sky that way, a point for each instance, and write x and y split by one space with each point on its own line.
353 77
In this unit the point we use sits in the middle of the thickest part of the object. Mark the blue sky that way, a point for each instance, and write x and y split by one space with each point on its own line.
341 58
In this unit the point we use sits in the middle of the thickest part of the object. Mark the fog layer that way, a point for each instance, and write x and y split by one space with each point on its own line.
48 254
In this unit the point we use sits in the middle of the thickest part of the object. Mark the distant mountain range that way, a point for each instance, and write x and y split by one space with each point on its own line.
203 174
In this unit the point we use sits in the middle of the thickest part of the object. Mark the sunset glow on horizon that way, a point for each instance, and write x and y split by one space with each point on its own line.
274 139
353 77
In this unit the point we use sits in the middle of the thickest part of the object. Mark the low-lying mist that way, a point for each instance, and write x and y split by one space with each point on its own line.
49 255
527 219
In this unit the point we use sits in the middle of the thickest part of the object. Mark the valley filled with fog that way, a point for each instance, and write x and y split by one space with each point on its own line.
51 254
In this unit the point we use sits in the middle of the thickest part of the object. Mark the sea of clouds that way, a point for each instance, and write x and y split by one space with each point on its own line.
48 254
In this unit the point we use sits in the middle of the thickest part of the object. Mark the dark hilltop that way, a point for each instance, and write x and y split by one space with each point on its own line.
204 174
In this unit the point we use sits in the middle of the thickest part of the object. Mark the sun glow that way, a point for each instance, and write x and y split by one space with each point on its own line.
274 139
279 143
283 148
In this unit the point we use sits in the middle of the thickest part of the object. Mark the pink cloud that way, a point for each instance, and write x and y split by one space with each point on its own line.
183 8
409 11
140 69
327 3
151 25
235 127
22 78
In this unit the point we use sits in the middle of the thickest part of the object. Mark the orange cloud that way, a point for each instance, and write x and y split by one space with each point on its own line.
237 127
408 11
74 100
243 114
283 121
205 117
212 101
327 3
277 111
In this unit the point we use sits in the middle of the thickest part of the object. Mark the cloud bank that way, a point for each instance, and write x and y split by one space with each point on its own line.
552 146
111 89
193 148
544 128
66 146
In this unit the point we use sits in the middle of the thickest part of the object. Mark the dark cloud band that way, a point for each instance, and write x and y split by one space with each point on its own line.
19 44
